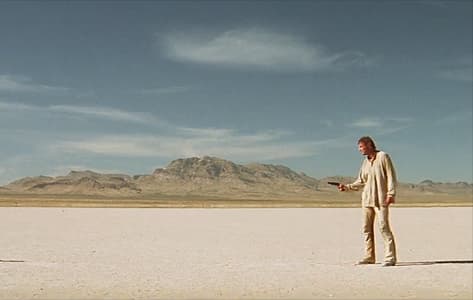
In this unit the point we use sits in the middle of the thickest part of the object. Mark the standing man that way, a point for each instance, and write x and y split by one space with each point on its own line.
377 177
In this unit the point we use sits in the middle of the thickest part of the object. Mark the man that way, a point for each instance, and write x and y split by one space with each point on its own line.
377 177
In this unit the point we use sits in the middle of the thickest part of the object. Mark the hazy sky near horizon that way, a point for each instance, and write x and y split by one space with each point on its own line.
129 86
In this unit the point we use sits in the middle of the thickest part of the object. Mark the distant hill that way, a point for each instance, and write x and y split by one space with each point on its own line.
219 177
430 187
76 182
209 177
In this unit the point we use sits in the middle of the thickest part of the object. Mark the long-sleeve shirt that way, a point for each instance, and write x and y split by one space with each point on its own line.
378 180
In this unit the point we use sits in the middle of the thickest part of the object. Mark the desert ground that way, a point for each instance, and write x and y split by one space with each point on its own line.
259 253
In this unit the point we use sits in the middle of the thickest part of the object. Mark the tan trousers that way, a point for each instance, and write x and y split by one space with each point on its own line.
369 214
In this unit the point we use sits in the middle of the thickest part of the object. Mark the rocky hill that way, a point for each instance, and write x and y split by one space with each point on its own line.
430 187
218 177
209 177
76 182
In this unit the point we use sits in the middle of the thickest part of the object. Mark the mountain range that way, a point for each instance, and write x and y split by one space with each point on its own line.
209 177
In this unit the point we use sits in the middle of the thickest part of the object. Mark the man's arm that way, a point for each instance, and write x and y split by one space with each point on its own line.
391 180
357 184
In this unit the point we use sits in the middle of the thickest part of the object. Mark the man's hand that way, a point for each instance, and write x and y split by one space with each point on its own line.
389 200
342 187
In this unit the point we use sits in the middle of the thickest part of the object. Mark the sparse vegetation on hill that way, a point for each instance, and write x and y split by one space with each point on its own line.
214 178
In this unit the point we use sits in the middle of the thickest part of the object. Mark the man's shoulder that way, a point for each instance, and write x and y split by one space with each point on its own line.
383 154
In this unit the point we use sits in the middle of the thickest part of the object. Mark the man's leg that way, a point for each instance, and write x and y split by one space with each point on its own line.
368 234
390 256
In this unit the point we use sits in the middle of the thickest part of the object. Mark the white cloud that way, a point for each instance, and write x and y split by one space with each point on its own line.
223 143
91 111
208 132
61 170
456 117
436 3
11 166
459 69
9 83
367 123
457 74
224 134
105 113
382 126
4 176
7 106
171 140
327 123
371 122
165 90
259 49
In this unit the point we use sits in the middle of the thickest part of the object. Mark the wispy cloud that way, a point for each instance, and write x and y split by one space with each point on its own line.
10 166
260 49
7 106
4 176
367 123
9 83
107 113
458 70
223 133
456 117
436 3
61 170
327 123
457 74
165 90
222 142
171 140
382 126
208 132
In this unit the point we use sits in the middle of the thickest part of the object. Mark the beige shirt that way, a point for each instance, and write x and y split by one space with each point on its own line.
378 180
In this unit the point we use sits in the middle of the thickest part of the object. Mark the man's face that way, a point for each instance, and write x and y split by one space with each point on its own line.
364 148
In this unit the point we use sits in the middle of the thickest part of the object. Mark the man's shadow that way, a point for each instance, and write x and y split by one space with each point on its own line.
434 262
399 264
11 261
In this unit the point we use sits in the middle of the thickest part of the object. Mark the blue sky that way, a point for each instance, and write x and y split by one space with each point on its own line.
129 86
